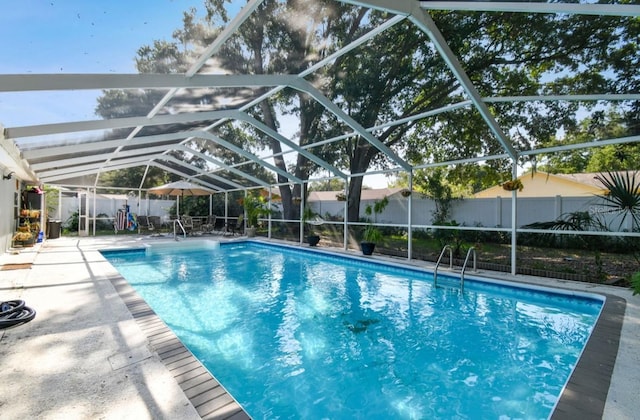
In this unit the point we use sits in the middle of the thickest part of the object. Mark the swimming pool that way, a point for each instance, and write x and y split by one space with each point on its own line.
293 333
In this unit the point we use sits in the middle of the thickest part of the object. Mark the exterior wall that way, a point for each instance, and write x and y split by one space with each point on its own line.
542 185
8 191
487 212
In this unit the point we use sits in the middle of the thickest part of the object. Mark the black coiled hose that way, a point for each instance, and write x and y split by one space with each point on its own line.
14 312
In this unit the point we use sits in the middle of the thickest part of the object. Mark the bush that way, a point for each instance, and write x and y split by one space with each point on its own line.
453 237
104 224
72 222
635 283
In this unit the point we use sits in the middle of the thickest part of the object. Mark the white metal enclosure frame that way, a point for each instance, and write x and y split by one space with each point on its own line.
59 163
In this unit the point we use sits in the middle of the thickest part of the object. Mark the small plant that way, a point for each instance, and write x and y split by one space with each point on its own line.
635 283
371 233
23 236
341 196
255 206
514 184
311 219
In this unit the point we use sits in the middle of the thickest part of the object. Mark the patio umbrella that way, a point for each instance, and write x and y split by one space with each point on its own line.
180 189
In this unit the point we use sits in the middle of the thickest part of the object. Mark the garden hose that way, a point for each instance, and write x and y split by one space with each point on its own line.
14 312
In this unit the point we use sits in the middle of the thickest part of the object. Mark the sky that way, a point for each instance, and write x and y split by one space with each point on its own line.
81 36
76 36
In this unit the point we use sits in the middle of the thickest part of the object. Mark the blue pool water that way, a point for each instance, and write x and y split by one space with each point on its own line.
292 333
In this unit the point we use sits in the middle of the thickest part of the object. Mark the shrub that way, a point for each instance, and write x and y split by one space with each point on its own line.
635 283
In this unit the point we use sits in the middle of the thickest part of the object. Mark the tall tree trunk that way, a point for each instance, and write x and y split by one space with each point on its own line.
360 161
276 148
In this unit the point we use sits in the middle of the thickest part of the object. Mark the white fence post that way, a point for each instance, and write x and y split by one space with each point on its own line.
558 207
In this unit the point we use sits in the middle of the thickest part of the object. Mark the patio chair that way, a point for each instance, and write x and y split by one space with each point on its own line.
144 224
220 227
238 226
209 225
156 221
187 223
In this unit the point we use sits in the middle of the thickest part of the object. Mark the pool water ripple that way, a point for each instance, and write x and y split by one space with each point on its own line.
291 334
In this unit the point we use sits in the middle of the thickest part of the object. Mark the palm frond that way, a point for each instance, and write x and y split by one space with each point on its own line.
623 194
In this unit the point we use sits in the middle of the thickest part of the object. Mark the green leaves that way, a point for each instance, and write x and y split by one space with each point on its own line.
623 195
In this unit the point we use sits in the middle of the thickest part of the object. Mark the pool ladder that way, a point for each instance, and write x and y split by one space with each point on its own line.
470 252
184 232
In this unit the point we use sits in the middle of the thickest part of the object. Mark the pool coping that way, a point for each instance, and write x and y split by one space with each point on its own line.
210 399
584 395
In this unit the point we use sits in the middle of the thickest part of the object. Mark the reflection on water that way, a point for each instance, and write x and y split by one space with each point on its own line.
294 335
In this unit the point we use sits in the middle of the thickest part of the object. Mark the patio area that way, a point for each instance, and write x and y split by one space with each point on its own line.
89 353
92 352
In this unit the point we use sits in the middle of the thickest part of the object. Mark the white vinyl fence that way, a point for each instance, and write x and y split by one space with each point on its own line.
487 212
110 207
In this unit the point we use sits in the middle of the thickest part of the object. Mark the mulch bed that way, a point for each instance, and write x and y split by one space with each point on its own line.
24 266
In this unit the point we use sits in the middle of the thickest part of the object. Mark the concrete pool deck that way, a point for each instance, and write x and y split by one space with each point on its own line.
92 351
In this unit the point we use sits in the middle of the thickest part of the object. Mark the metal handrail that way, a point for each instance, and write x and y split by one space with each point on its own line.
471 251
435 272
184 232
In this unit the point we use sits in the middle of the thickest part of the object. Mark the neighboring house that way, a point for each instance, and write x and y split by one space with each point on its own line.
327 202
543 184
544 198
366 195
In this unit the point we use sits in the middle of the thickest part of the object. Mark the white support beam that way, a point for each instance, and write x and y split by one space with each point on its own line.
399 7
51 178
198 170
612 97
422 20
48 152
92 168
73 127
534 7
224 166
10 158
83 81
277 136
98 159
307 87
426 23
577 146
208 136
461 161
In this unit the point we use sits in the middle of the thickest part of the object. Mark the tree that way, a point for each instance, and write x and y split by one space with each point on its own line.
329 185
399 74
601 125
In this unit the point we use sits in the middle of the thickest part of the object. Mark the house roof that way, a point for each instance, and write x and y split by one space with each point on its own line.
543 184
590 178
368 194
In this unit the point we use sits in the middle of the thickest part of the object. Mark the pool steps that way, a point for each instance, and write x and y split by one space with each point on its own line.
179 224
470 252
159 247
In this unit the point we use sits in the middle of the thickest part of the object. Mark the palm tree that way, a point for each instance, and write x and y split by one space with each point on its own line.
622 196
